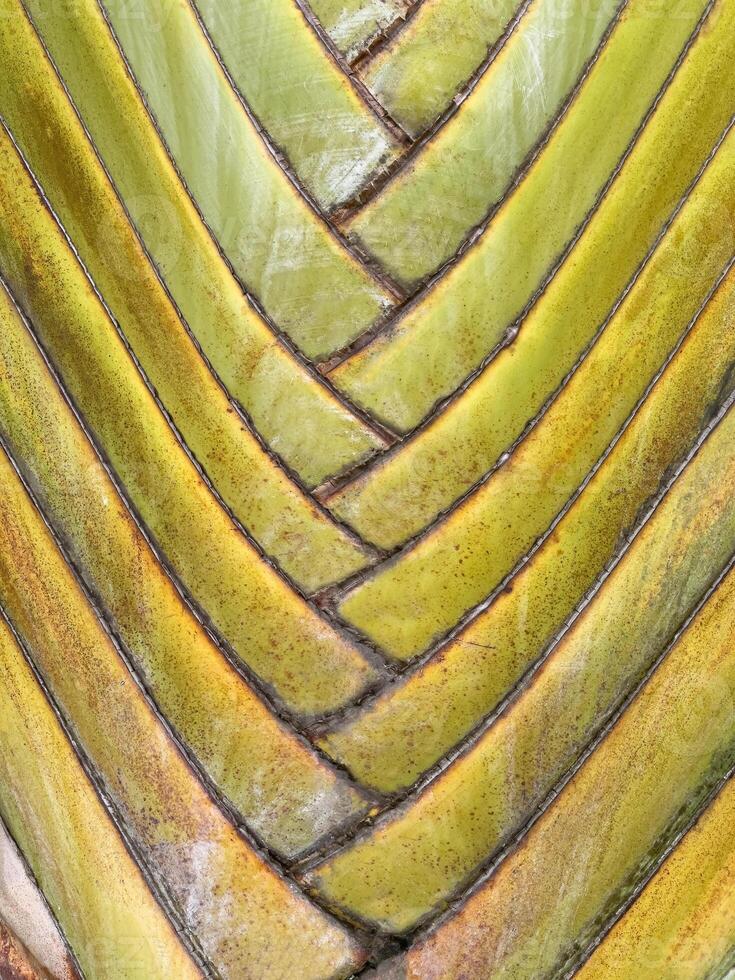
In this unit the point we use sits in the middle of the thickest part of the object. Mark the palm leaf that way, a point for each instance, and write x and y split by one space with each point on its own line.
367 526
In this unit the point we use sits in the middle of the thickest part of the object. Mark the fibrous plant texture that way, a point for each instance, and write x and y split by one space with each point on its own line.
367 489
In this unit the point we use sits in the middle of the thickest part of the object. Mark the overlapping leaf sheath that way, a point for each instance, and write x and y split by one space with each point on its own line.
367 528
211 875
400 494
425 592
420 219
397 73
333 139
394 876
296 415
437 342
288 644
261 495
618 812
684 922
269 777
71 843
307 281
409 727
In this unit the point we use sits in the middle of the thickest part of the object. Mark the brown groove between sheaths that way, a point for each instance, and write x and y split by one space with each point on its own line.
645 513
626 895
347 69
337 484
218 797
473 237
242 413
272 563
332 487
270 856
371 191
283 339
281 158
386 35
268 696
157 888
605 923
480 876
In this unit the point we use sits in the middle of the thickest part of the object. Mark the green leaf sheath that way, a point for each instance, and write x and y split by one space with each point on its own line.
269 777
282 250
443 337
333 140
298 417
399 495
285 641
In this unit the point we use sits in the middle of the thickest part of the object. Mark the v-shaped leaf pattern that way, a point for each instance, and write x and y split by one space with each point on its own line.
406 490
367 528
